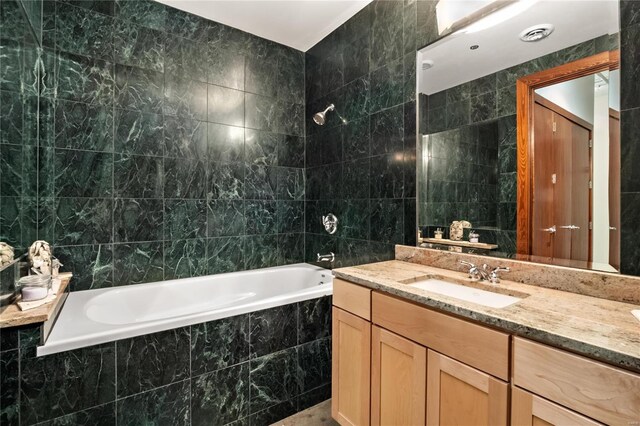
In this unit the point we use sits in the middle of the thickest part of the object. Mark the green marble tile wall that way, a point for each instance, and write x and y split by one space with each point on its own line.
172 146
364 170
251 369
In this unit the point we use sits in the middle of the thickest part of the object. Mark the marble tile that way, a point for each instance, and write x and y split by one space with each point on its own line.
139 46
386 32
9 387
147 13
291 151
137 219
290 184
139 89
185 219
187 25
136 263
289 216
83 221
83 79
185 98
138 176
387 176
273 380
483 107
225 254
54 385
152 360
226 181
325 146
272 331
226 68
314 320
361 95
185 137
187 58
387 131
219 344
138 133
261 148
18 171
629 13
226 144
387 86
225 106
105 7
290 248
324 182
83 173
261 112
314 364
357 140
166 405
316 406
102 415
184 178
82 126
629 151
355 219
221 397
84 32
260 251
185 258
260 217
386 221
630 224
261 182
225 218
92 266
261 76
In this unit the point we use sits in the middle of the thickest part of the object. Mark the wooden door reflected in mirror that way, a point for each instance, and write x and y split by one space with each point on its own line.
569 164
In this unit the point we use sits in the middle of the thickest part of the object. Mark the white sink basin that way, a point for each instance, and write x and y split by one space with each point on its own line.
468 294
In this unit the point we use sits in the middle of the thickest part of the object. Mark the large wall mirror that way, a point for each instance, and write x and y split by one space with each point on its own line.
519 132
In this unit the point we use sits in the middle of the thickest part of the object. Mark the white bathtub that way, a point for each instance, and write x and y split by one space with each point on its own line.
98 316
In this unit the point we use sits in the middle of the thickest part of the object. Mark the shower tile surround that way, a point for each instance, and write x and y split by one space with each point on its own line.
255 369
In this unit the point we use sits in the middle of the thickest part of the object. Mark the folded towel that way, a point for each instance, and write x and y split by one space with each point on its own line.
55 287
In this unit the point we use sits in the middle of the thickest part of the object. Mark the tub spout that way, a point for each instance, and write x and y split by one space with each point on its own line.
326 257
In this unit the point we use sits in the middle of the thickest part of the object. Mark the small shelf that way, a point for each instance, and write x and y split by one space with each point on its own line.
446 242
12 316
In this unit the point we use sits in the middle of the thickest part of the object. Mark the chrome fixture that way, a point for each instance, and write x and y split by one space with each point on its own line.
320 117
326 257
487 273
569 227
551 230
330 223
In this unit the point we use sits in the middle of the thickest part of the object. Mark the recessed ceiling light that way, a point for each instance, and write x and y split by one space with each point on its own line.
474 47
536 33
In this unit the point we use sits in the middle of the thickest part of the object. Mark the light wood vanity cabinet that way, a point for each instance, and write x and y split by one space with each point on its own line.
399 363
398 379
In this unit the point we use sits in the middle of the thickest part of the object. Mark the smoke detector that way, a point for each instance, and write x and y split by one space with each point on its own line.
427 64
536 33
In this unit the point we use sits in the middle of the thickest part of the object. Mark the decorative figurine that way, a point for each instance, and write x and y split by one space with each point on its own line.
456 231
6 254
40 257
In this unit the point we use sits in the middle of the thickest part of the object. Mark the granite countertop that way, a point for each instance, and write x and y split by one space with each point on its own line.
597 328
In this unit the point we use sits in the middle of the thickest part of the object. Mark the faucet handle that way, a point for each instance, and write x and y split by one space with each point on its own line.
473 272
494 277
469 264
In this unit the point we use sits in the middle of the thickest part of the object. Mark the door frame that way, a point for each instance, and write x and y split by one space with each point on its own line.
525 98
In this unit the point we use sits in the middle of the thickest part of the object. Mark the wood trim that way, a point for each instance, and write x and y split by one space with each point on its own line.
475 345
496 390
613 113
604 393
417 375
525 406
357 355
525 87
352 298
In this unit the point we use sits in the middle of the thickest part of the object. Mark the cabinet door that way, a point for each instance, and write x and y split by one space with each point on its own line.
461 395
351 369
528 409
398 380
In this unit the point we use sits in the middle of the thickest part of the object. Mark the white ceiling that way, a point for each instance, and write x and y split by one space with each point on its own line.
575 21
296 23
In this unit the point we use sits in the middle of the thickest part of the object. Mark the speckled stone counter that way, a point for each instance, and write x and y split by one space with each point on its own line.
594 327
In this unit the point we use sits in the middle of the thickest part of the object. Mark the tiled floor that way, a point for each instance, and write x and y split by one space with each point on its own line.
318 415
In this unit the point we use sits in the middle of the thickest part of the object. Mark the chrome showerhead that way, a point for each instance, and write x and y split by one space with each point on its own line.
320 117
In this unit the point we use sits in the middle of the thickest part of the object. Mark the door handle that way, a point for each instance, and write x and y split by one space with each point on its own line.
571 227
551 230
613 228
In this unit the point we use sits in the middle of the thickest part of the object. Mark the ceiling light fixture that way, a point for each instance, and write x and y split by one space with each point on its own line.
499 16
536 33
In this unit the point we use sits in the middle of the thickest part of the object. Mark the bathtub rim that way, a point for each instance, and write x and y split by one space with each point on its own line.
150 327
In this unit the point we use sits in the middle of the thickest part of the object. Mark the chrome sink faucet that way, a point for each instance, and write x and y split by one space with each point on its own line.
486 273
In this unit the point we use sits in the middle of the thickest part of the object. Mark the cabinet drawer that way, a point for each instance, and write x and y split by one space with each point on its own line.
352 298
472 344
605 393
